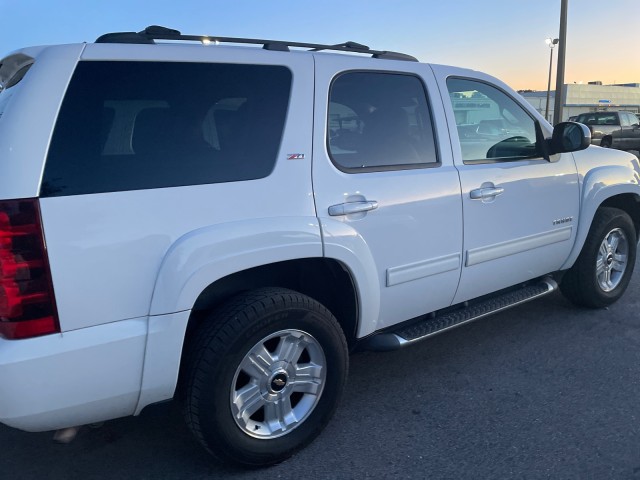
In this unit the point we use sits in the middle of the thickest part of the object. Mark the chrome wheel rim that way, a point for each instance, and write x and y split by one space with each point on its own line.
612 260
278 384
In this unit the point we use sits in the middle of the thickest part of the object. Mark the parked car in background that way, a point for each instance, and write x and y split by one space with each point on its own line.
613 129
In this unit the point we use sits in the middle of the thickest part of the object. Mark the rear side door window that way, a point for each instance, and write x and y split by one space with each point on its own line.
491 125
379 121
139 125
606 119
624 120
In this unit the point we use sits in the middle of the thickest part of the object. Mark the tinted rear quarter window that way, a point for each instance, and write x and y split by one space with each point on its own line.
140 125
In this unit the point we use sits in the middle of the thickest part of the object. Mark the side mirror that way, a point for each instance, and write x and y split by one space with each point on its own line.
569 137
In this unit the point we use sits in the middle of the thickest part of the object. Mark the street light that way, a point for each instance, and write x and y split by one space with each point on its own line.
552 42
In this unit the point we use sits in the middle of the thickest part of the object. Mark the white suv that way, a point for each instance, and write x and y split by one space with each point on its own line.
223 224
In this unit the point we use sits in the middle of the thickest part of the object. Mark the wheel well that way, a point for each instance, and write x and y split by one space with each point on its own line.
324 280
628 202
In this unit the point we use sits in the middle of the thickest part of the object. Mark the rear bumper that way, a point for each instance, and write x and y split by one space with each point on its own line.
73 378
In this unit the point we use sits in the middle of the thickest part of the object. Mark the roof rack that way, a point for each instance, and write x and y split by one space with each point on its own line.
155 32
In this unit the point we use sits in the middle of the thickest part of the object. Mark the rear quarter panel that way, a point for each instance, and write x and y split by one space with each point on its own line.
106 249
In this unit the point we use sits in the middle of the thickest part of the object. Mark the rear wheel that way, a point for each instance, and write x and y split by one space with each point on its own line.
264 376
603 270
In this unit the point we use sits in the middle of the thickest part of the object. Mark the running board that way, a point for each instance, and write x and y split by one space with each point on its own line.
431 325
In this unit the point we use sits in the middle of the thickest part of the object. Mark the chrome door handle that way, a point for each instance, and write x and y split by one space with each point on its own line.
352 207
483 193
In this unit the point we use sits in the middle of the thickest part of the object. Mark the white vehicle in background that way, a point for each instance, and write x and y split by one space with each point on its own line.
223 224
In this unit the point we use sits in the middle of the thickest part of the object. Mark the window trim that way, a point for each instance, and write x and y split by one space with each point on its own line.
384 168
483 161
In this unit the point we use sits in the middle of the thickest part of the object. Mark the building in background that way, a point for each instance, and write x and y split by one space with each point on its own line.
591 97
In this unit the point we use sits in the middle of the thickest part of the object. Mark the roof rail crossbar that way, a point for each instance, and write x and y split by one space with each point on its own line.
155 32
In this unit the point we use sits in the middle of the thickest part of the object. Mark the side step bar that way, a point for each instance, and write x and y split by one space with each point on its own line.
431 325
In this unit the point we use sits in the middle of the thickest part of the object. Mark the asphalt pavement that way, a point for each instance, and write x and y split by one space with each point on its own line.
544 390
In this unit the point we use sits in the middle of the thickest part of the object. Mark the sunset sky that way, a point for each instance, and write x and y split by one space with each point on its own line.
504 38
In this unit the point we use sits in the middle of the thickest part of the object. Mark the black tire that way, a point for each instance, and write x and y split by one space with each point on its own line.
583 284
606 142
213 376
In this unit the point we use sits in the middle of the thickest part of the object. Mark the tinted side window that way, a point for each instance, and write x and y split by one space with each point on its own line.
491 125
624 120
139 125
599 118
585 118
379 121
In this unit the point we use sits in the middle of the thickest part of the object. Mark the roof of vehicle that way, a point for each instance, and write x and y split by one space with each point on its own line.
154 32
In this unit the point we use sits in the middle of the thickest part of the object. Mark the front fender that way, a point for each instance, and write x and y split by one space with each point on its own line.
203 256
599 184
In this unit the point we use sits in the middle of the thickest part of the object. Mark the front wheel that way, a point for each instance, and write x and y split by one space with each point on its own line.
264 376
603 270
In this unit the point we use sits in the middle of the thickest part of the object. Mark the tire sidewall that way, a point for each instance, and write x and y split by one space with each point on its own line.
596 237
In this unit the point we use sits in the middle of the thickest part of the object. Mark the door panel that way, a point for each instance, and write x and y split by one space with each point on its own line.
404 195
520 210
513 238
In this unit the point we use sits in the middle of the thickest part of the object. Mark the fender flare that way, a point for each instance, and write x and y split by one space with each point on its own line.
599 185
195 261
203 256
344 244
199 258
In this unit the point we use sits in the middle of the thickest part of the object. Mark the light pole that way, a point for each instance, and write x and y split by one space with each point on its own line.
552 42
562 49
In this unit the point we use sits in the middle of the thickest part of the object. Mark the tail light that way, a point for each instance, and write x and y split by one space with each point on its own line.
27 305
